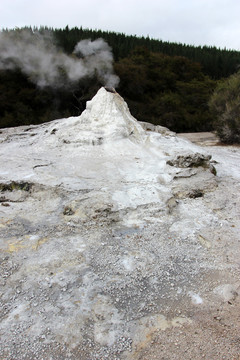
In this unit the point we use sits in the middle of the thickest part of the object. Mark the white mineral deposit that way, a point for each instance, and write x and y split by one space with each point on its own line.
119 240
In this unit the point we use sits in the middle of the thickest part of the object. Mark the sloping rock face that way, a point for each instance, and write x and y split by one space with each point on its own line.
111 236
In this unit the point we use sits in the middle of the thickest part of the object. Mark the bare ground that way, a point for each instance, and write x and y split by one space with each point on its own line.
215 331
185 329
201 138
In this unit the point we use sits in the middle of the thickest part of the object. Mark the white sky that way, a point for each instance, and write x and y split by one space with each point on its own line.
197 22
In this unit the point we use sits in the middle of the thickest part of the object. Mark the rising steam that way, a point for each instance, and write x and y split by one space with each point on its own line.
37 56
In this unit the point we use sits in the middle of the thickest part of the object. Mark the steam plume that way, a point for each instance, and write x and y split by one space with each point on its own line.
37 56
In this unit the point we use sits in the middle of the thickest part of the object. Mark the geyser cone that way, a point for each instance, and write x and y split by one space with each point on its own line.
104 248
110 89
106 119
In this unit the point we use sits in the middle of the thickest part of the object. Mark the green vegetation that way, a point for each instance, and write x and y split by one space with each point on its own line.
164 83
164 90
215 62
225 104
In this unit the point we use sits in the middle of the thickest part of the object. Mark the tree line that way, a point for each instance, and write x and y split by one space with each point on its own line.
164 83
216 63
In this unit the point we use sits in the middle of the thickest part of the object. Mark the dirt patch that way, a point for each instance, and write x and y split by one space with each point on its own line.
201 138
212 335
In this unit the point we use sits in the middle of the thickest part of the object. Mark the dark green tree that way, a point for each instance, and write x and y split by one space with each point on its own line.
225 105
168 91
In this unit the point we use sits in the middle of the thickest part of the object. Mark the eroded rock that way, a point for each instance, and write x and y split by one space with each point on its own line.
191 161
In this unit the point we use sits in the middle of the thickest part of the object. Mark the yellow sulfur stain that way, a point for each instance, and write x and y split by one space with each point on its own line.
204 242
148 327
39 243
5 223
16 246
25 244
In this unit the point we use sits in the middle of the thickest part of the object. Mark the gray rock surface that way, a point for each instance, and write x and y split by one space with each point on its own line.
108 251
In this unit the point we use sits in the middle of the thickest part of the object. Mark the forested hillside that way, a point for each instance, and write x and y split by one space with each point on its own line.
215 62
163 83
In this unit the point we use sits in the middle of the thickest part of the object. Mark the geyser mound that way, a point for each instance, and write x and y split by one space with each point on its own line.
112 238
106 119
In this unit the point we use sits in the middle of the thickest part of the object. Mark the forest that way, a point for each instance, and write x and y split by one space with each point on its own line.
163 83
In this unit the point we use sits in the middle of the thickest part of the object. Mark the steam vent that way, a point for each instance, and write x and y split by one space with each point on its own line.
110 89
117 242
